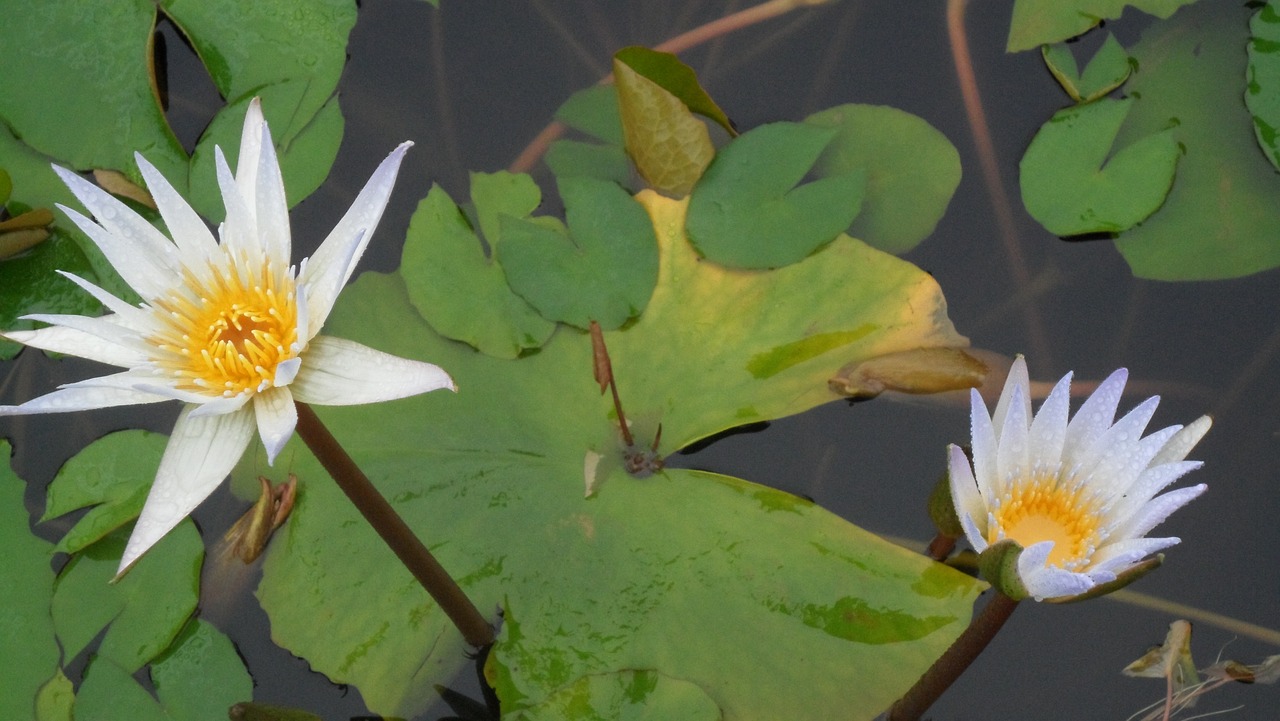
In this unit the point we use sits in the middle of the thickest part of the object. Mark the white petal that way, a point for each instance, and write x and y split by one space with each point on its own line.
127 315
146 272
1050 581
334 261
122 222
277 416
81 398
1158 509
272 209
1017 378
1118 457
1094 417
212 405
1117 557
983 440
251 141
1049 427
339 372
1181 444
239 229
190 233
201 452
105 329
1151 482
964 490
74 342
1011 448
286 371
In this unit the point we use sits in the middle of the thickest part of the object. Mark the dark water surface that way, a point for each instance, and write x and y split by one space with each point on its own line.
473 82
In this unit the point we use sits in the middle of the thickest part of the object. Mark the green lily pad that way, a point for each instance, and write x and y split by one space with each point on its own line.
594 112
912 171
197 679
1220 218
602 267
749 212
1263 96
1036 22
56 699
113 474
444 260
143 612
660 573
30 655
642 695
671 148
1108 69
1072 187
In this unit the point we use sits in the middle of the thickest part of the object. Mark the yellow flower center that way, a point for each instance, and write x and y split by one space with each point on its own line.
1044 509
226 336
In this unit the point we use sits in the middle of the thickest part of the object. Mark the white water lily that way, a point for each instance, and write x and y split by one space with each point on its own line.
1078 496
229 328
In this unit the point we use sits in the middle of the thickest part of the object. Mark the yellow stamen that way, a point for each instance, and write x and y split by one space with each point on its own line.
225 336
1044 508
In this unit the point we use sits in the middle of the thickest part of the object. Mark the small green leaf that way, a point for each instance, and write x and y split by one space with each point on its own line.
56 699
458 290
1108 69
30 656
670 147
603 268
1036 22
110 692
631 695
201 675
666 71
912 171
113 474
749 212
593 111
1263 93
143 612
1071 186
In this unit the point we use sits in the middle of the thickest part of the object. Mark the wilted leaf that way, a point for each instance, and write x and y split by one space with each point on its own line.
1171 660
1073 184
749 210
922 370
666 70
670 147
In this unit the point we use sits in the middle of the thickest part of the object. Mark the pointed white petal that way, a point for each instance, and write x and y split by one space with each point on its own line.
339 372
201 452
1118 457
251 143
1156 510
1011 448
972 532
983 439
1151 482
119 220
1095 416
1044 581
1049 427
306 331
277 416
106 329
190 233
1116 557
286 371
334 261
82 398
272 209
148 273
211 405
1181 444
129 316
964 489
70 341
1017 378
238 230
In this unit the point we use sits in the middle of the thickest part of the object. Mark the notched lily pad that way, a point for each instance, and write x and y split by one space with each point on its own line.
1106 71
1072 187
595 113
749 210
601 267
442 246
1263 92
1037 22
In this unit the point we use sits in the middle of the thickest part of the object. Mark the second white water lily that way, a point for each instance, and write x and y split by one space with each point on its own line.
1079 496
230 327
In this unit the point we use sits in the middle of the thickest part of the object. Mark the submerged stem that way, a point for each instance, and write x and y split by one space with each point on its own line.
955 660
397 534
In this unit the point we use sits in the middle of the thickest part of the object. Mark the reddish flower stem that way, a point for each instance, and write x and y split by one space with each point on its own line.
397 534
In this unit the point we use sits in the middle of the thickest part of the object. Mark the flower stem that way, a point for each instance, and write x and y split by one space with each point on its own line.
954 661
384 519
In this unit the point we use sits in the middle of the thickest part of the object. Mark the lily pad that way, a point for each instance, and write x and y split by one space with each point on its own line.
113 474
143 612
660 573
30 657
642 695
445 260
748 211
594 112
1036 22
1220 218
1106 71
912 171
1263 96
1073 184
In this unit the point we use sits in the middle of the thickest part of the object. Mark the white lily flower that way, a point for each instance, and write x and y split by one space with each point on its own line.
1079 497
229 328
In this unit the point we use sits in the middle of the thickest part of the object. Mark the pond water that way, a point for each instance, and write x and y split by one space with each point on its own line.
474 82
